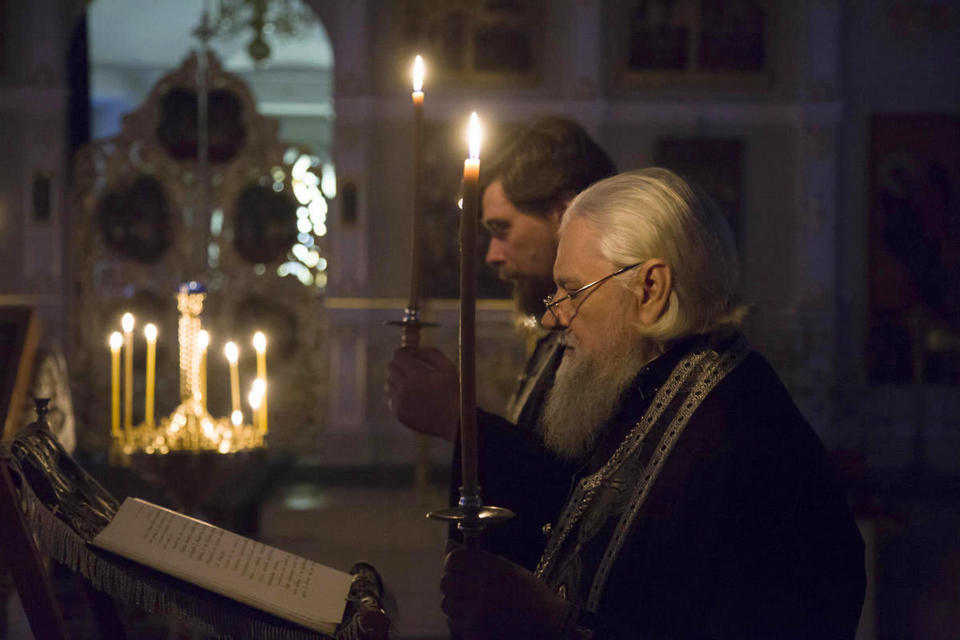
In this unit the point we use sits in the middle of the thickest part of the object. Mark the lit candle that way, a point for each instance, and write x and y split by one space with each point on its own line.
150 333
468 242
254 399
126 323
258 394
260 345
116 342
230 350
203 341
411 332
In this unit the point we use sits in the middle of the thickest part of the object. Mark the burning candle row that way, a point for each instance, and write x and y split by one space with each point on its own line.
123 342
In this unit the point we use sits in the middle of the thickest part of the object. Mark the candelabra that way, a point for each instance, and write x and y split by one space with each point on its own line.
190 427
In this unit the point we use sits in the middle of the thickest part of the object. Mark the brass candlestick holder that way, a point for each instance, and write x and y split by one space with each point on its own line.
191 453
190 427
471 516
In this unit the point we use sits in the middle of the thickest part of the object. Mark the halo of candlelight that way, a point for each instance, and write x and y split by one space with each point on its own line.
254 399
418 73
230 350
150 331
473 136
259 342
203 339
127 322
116 341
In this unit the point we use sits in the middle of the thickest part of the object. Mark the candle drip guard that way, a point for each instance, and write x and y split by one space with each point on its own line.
471 516
410 324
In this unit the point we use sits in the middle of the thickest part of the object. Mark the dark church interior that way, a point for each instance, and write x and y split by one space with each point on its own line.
245 167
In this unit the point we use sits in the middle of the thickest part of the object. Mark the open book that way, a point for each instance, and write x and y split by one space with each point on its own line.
255 574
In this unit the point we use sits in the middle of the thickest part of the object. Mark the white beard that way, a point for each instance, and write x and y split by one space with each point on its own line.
586 391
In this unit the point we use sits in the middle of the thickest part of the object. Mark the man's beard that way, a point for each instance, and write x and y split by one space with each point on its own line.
528 295
587 390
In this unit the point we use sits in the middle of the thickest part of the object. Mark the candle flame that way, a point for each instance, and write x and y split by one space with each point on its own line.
116 341
230 350
236 418
150 332
203 340
259 342
126 322
255 398
418 74
473 136
260 387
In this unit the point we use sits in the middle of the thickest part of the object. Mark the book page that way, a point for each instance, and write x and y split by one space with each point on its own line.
261 576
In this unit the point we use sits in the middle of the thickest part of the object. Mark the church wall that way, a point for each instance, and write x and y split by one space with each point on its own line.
33 164
390 194
897 58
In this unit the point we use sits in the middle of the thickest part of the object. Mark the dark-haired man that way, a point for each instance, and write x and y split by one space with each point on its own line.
525 190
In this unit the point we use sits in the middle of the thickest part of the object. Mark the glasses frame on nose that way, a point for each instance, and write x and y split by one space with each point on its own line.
551 304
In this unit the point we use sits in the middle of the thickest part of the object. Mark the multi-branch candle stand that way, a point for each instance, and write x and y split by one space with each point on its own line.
190 452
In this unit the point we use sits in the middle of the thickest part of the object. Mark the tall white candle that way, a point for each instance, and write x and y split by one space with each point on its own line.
260 346
150 333
116 343
127 323
203 342
233 354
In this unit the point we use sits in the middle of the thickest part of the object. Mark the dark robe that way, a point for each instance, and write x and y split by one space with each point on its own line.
739 529
535 490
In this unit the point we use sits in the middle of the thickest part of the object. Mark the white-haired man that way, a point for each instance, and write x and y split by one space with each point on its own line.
706 507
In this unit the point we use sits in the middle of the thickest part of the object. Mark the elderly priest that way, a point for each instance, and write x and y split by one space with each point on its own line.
705 506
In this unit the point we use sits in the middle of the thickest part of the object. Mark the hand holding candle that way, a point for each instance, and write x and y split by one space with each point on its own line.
150 333
116 343
127 323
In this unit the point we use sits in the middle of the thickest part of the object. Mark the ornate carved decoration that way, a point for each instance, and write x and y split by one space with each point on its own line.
150 216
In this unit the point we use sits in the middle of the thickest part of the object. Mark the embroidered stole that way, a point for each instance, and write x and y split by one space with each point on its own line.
628 476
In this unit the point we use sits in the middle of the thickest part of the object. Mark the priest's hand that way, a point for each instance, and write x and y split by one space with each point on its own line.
486 596
423 392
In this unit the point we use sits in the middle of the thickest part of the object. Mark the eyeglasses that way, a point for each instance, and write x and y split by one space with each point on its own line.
551 304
